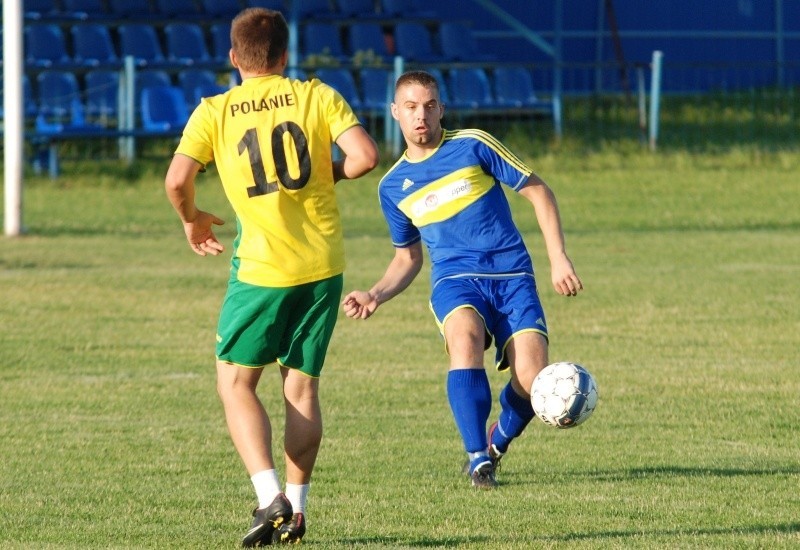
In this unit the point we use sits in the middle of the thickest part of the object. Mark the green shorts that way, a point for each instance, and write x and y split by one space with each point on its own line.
292 325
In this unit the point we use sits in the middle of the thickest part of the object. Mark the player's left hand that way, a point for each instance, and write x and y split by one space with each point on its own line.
565 281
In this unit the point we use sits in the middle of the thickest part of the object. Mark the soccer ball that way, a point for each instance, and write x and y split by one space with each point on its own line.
564 395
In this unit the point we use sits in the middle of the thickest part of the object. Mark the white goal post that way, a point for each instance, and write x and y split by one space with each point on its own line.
13 129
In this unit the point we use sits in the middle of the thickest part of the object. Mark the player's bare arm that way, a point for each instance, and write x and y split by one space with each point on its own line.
562 273
402 270
197 224
360 154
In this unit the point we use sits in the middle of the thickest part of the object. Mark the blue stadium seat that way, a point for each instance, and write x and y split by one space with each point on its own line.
408 8
186 44
458 44
313 9
377 87
38 9
414 42
73 123
222 8
323 39
178 9
85 9
60 107
469 89
130 8
163 108
513 87
93 45
102 93
357 8
343 82
140 41
220 42
444 95
278 5
365 37
190 79
207 90
148 78
46 47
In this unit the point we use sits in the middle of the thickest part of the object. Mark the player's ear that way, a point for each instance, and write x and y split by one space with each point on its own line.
232 57
394 111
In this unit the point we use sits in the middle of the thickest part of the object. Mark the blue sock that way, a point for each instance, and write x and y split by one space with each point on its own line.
515 414
471 402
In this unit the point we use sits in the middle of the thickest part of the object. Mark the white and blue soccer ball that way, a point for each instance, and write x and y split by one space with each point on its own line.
564 395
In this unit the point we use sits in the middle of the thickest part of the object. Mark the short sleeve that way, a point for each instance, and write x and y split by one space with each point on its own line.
402 232
496 159
196 141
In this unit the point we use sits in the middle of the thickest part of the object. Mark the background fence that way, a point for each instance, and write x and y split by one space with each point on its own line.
729 76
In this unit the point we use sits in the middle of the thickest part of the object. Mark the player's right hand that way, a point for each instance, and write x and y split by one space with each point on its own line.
200 235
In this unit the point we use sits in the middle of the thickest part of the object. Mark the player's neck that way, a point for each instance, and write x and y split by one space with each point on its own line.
245 75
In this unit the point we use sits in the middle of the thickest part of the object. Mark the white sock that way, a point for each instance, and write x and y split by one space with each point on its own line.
297 495
266 485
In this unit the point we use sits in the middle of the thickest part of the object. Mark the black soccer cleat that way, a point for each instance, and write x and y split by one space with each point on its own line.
292 532
494 453
483 476
266 521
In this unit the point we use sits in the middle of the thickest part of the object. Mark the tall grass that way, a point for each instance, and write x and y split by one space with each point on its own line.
111 434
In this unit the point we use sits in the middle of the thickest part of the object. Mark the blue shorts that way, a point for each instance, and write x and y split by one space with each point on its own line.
507 306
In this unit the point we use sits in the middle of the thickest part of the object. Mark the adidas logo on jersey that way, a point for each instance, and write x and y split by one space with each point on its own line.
407 183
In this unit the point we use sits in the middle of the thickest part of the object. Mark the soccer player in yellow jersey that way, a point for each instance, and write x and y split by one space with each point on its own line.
271 140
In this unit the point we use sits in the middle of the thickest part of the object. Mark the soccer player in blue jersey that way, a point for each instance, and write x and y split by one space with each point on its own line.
445 191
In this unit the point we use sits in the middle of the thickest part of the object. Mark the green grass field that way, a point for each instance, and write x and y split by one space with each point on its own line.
112 436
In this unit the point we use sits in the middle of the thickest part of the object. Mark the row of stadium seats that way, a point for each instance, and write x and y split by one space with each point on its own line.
62 97
183 43
59 10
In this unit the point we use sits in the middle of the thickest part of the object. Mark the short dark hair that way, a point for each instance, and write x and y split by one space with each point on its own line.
422 78
259 38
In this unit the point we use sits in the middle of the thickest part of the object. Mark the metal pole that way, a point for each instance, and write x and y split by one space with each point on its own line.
388 121
558 84
655 97
13 129
294 41
129 113
399 65
642 94
598 47
780 49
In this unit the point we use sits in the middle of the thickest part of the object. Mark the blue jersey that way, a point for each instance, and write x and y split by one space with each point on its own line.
453 201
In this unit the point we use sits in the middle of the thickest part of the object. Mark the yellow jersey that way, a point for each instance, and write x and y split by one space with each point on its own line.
271 138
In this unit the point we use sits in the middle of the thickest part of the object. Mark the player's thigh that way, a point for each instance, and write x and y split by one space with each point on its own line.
232 377
517 311
527 355
465 337
251 324
309 331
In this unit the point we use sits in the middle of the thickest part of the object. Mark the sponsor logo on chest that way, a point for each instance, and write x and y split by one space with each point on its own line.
440 197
